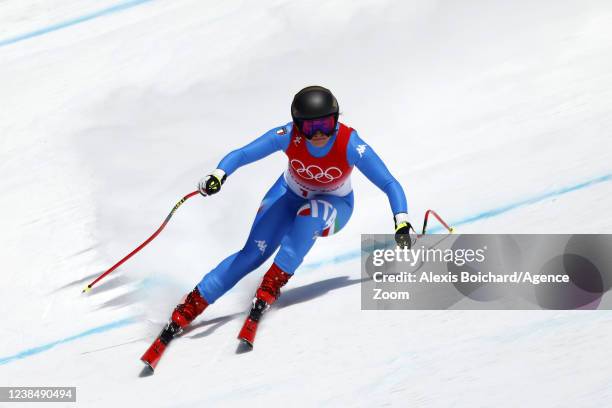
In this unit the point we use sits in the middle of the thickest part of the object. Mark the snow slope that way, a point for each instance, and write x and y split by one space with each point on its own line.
494 113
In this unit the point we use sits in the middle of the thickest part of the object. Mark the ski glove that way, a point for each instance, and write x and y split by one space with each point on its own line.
211 184
403 237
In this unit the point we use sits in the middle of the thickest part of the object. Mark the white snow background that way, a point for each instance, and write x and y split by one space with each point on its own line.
494 113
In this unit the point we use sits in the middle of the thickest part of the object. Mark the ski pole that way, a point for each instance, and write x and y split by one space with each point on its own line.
440 220
151 238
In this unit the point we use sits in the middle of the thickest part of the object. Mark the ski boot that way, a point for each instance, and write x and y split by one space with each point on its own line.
182 316
266 295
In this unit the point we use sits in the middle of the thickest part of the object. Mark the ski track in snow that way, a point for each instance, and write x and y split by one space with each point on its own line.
71 22
496 115
318 264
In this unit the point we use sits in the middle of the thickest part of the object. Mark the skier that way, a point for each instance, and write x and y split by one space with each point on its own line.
312 198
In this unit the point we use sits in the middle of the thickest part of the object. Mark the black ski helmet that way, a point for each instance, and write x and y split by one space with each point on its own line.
313 102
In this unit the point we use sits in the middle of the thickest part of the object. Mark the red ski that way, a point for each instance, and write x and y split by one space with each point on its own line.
249 328
247 335
154 353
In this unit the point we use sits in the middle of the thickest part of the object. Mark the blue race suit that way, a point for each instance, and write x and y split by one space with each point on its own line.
289 220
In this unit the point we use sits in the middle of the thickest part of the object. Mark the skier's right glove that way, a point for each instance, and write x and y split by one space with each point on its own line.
403 237
211 184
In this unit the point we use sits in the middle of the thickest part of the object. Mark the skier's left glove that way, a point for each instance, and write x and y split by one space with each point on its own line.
211 184
403 236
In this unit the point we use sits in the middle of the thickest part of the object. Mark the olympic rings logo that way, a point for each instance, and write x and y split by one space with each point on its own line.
313 172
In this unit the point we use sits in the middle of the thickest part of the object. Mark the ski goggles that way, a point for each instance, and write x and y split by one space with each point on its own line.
325 125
